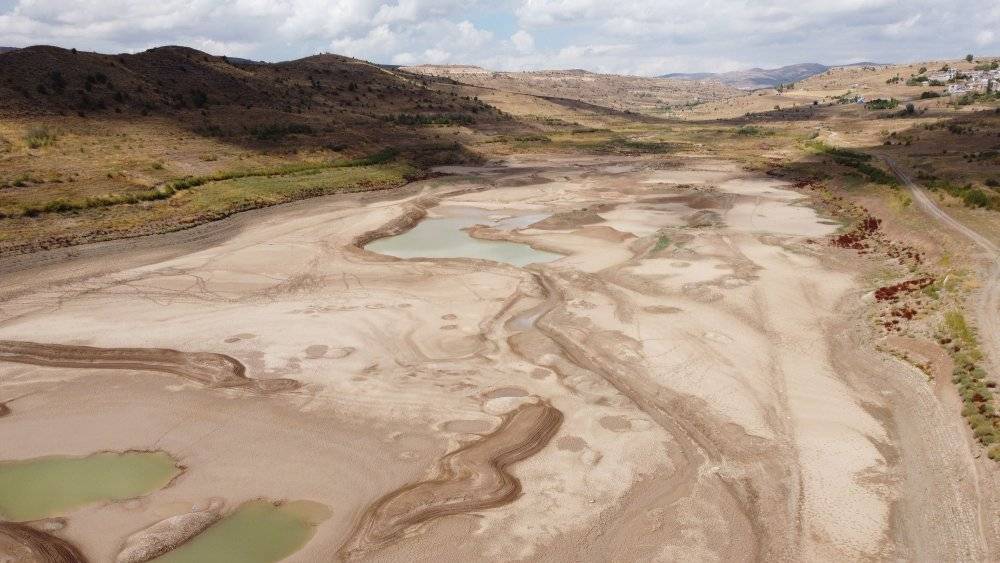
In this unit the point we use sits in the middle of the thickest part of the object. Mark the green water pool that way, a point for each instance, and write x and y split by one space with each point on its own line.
257 532
48 486
444 238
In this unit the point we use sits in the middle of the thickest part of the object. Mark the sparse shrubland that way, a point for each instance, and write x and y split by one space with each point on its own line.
857 160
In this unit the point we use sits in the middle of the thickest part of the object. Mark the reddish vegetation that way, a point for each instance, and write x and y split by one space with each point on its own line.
891 292
858 237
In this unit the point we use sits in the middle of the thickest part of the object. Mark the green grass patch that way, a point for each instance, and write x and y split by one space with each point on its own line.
661 243
294 171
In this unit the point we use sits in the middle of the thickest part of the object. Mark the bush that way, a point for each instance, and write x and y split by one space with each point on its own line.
928 95
753 131
975 198
880 103
275 131
40 136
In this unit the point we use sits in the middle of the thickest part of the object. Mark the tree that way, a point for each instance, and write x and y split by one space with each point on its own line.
969 58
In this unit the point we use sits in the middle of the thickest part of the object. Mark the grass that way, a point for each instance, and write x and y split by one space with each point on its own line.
170 189
211 201
40 136
661 243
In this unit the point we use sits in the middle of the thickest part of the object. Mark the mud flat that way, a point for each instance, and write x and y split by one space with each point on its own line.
689 380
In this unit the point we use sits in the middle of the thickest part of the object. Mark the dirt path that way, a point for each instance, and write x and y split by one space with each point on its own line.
988 309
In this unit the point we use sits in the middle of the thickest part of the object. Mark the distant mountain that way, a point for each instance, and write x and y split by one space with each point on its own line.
756 77
7 49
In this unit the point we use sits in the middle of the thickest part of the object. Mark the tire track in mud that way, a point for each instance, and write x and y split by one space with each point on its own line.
938 508
753 504
473 477
210 369
24 543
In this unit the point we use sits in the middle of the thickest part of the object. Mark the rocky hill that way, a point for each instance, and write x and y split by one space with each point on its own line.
634 93
756 78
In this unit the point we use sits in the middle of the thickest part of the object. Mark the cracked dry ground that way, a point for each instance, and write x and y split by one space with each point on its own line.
692 380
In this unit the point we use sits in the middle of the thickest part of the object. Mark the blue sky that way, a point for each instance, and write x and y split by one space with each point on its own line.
645 37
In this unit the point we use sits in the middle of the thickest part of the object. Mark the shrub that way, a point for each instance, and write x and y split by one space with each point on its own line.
40 136
928 95
880 103
753 131
976 198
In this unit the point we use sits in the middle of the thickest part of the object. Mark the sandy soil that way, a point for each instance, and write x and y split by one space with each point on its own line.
719 397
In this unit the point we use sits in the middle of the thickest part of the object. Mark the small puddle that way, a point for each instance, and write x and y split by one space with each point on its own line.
443 237
257 532
48 486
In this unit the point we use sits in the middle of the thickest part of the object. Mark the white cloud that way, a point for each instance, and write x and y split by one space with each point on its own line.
902 27
630 36
523 41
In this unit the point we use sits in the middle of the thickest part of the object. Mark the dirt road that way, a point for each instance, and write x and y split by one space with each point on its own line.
988 308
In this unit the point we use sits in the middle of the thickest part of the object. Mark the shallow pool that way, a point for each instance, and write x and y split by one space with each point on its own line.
47 486
257 532
443 237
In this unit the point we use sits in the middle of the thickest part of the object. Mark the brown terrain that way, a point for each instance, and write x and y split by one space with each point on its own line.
737 333
623 93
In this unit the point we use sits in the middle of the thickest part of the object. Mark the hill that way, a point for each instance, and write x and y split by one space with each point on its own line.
757 78
328 98
7 49
633 93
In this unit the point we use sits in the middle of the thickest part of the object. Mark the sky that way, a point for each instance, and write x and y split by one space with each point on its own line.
642 37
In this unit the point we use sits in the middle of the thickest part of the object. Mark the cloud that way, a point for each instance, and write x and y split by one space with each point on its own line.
523 41
627 36
901 27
